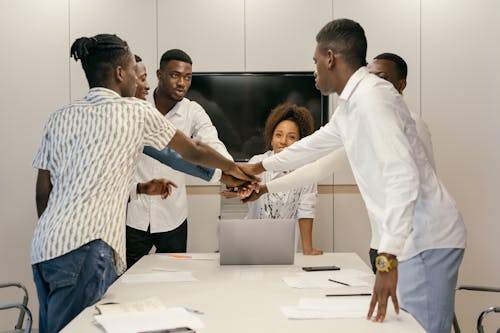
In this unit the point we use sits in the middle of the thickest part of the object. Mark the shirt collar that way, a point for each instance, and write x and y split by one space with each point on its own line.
352 83
101 91
174 110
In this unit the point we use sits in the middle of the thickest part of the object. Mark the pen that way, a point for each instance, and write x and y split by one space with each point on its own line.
345 284
362 294
194 311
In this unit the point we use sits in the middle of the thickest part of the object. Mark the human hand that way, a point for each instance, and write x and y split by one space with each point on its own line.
252 195
231 181
252 169
238 173
161 187
312 252
385 286
240 192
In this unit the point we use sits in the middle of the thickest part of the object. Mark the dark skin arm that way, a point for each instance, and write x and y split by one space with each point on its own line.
43 189
160 186
252 169
385 287
200 153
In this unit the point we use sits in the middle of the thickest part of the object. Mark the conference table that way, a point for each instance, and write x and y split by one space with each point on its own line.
242 298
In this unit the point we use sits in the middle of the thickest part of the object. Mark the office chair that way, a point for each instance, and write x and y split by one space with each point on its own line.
23 309
479 325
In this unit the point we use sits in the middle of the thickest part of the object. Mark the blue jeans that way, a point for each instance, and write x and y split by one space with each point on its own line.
426 287
68 284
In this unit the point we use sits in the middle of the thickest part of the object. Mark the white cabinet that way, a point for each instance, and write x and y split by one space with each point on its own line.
352 230
280 34
323 235
203 214
211 32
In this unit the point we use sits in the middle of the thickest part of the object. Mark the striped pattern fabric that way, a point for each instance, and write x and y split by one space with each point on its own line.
91 148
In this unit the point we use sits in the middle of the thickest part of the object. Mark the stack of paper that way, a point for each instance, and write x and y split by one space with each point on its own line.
148 304
322 308
133 322
349 277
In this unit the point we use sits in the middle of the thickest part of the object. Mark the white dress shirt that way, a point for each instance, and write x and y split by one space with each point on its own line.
168 214
411 208
317 170
294 203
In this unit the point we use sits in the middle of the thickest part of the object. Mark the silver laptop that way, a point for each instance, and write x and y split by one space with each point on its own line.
257 242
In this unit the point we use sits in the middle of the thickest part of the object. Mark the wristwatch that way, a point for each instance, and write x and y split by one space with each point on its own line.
385 264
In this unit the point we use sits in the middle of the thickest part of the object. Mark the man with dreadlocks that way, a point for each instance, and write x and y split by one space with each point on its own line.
85 163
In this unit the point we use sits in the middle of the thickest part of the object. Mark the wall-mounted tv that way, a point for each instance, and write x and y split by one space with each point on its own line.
239 103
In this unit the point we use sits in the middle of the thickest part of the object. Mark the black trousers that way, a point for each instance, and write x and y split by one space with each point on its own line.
139 242
373 255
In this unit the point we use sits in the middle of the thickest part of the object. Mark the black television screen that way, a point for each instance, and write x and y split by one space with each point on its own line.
238 104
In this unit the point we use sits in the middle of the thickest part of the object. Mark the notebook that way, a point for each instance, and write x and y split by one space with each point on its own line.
257 242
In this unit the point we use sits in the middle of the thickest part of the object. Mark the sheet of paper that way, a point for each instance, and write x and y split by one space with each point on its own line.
156 277
133 322
339 307
352 277
148 304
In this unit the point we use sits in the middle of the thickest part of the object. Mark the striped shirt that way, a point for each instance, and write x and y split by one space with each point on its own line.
91 148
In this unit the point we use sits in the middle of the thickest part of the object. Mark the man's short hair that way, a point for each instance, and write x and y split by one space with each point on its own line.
345 37
174 54
100 55
401 66
137 58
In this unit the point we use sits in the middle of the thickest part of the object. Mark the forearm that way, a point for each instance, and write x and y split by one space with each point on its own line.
176 162
199 153
308 149
305 226
43 189
41 203
305 175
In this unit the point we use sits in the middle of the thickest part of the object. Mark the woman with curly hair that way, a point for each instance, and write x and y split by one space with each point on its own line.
286 124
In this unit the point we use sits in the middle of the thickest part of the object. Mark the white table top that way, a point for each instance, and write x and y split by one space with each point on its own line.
243 298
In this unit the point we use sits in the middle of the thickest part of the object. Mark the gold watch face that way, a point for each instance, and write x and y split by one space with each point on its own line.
382 263
385 264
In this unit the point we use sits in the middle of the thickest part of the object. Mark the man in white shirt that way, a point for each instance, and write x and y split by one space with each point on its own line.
151 220
390 67
416 217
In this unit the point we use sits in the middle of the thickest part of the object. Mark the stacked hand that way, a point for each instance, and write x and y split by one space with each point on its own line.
237 175
246 192
241 182
161 187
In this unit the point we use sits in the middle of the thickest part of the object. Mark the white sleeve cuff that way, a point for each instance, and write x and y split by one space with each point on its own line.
392 245
133 192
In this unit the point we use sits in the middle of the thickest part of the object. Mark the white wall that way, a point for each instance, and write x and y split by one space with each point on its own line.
460 101
451 47
35 80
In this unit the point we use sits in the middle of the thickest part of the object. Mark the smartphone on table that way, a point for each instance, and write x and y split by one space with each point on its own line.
320 268
172 330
